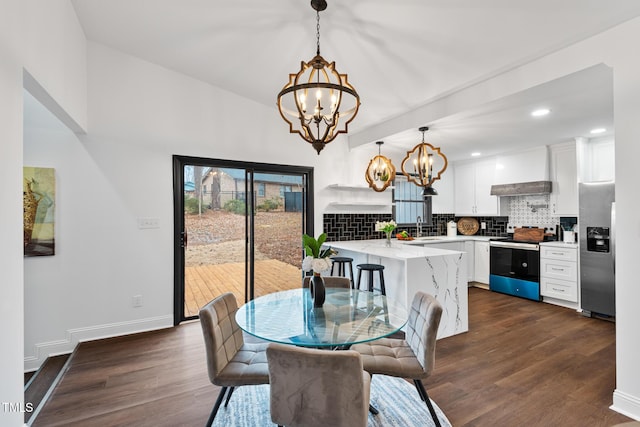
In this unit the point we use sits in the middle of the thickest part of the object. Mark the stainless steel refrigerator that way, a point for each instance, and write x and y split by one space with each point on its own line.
597 248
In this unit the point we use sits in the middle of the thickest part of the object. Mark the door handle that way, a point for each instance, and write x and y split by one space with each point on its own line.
183 239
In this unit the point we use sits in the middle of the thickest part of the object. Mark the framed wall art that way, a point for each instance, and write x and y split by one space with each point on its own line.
39 191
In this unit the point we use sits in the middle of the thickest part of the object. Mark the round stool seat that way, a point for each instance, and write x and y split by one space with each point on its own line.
341 261
371 267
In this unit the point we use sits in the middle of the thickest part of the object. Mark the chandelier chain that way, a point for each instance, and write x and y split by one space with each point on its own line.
317 32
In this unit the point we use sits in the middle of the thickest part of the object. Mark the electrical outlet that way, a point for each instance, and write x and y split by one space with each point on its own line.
145 223
136 301
483 225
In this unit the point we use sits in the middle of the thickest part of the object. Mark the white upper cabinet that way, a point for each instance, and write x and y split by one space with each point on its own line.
597 159
473 183
524 166
443 202
564 177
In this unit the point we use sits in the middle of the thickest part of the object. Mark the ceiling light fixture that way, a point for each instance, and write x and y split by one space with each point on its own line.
318 98
380 173
422 159
475 154
598 130
540 112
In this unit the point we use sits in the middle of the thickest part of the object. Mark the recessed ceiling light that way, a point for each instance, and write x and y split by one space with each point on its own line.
475 154
598 130
540 112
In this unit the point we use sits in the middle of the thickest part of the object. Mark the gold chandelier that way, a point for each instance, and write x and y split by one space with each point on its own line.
317 99
422 158
380 173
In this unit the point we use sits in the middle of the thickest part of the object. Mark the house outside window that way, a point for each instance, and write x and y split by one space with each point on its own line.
261 189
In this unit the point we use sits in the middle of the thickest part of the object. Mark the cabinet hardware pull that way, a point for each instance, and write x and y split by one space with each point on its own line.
558 290
557 253
557 269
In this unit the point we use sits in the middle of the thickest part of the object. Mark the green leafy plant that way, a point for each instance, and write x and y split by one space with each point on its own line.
191 205
312 247
317 259
269 205
235 206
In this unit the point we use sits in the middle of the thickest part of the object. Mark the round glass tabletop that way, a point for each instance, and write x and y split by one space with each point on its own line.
346 317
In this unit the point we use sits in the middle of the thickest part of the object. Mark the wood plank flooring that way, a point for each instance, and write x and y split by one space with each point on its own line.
521 364
205 282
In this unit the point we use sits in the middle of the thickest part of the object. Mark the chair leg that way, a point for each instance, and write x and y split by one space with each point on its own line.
226 402
214 411
423 394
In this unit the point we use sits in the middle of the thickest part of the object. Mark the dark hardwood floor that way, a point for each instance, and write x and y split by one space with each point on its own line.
521 364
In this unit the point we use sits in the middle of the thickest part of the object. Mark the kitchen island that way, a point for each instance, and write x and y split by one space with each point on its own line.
411 268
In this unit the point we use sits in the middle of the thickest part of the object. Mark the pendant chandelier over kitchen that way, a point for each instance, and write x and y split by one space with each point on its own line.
380 173
422 158
318 99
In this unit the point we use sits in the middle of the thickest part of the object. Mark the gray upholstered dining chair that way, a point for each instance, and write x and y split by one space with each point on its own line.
412 357
330 282
313 387
230 361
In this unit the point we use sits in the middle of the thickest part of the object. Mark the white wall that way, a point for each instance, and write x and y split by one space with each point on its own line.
11 300
55 56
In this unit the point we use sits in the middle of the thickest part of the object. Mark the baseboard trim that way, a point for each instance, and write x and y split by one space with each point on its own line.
90 333
626 404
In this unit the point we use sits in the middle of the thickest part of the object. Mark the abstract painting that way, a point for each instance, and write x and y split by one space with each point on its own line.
39 190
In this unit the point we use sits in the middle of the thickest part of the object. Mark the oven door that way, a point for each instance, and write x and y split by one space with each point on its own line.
515 263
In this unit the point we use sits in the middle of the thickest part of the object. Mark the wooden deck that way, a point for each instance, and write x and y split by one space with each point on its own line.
205 282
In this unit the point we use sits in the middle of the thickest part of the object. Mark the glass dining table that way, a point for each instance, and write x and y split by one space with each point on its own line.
347 317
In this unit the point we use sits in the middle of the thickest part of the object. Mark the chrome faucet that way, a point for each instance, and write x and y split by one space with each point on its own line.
418 226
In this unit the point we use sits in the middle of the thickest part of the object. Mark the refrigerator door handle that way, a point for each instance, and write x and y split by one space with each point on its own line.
613 235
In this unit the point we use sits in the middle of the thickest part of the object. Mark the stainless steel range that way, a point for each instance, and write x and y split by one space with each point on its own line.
515 268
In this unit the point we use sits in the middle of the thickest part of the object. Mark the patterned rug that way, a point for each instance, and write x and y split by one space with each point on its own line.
396 399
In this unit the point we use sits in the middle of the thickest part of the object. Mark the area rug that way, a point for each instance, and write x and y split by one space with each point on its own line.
396 399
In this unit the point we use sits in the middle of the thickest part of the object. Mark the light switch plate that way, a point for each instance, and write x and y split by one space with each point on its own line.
144 223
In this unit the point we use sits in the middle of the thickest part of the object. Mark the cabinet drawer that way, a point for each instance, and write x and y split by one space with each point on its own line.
556 269
553 252
561 289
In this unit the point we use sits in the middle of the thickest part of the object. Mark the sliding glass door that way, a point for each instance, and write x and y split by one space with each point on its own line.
238 229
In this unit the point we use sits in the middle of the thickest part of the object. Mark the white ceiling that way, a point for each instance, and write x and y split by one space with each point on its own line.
398 55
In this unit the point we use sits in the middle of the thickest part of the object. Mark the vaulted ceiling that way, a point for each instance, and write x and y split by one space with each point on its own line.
398 55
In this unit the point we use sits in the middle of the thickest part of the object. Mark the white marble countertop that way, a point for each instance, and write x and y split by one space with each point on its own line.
442 239
398 249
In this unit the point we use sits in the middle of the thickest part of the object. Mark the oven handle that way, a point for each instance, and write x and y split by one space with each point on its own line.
526 246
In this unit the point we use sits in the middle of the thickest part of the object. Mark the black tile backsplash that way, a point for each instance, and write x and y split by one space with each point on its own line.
340 227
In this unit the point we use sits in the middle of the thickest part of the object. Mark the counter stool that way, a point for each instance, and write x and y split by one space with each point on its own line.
370 268
341 261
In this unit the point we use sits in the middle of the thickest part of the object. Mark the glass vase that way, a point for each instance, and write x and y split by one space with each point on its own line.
387 242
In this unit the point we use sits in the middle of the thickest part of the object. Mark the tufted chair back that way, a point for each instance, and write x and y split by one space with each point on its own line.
222 335
330 282
422 328
317 388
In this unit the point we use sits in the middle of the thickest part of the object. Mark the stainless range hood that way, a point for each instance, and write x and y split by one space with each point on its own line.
521 188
